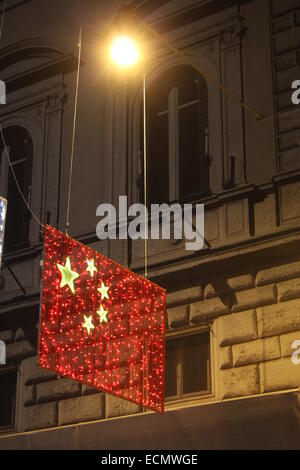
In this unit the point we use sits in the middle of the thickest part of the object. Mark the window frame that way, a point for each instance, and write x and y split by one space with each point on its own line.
173 158
13 427
4 177
199 395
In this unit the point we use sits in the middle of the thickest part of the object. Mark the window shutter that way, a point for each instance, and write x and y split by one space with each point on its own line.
204 137
29 165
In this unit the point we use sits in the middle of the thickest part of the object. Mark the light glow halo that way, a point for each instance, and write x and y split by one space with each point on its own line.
124 51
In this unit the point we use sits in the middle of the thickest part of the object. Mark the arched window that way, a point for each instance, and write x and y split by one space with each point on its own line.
178 138
20 150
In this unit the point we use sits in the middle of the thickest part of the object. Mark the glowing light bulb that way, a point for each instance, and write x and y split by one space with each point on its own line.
124 52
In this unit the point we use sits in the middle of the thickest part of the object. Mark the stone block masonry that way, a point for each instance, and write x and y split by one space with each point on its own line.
81 409
237 328
253 332
256 351
39 416
238 382
255 346
254 321
279 375
57 389
280 318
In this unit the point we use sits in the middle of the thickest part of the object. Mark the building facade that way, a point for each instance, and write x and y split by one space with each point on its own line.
233 307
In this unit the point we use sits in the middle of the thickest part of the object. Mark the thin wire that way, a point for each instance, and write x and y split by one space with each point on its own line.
2 17
73 134
210 79
16 180
145 173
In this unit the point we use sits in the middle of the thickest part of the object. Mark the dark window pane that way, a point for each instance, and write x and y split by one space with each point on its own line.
171 367
188 356
195 363
192 134
157 97
187 83
8 384
193 146
189 151
158 156
20 148
16 138
15 223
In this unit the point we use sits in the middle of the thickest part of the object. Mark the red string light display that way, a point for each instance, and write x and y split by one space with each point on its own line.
101 324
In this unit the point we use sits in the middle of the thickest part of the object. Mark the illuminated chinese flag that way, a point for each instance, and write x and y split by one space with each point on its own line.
101 324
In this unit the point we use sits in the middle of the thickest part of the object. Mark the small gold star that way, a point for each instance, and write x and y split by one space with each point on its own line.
103 291
88 324
68 276
102 313
91 267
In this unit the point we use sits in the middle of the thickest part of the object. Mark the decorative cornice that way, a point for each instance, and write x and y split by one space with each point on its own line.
56 100
233 34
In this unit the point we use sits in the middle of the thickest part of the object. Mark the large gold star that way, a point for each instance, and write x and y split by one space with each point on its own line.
103 314
103 291
88 324
91 267
68 276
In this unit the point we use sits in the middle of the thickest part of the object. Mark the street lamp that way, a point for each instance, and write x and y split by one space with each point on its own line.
125 53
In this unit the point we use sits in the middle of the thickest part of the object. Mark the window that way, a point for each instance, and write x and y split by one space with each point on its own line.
178 138
188 365
20 150
8 388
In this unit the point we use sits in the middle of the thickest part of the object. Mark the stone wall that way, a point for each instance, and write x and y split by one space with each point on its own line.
286 48
255 319
43 400
49 401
